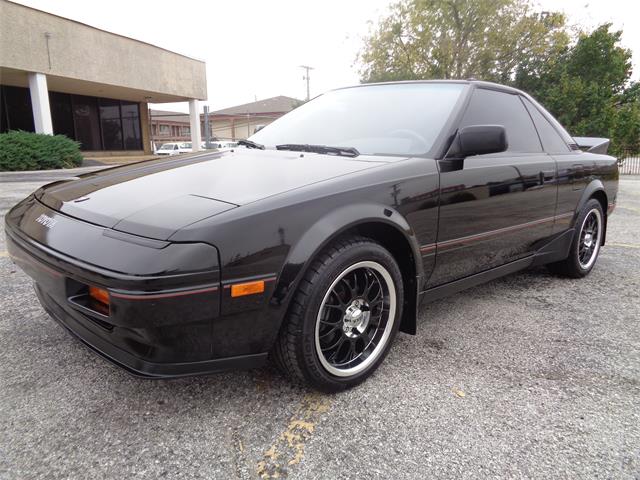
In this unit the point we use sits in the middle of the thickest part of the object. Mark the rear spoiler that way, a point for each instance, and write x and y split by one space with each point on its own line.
593 144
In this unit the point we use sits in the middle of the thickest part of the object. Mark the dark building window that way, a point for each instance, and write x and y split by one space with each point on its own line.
96 123
3 112
62 114
131 125
111 124
86 122
17 106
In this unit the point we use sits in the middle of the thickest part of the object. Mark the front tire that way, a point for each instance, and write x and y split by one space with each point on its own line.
585 246
343 317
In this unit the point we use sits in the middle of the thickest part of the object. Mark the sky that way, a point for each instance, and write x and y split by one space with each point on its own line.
253 48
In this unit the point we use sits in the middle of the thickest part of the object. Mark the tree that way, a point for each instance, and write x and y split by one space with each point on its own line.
583 80
588 88
487 39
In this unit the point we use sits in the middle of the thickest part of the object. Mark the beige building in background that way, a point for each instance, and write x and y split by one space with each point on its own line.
239 122
233 123
62 76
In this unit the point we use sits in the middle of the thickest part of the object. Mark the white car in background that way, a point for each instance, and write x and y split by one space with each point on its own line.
173 148
222 144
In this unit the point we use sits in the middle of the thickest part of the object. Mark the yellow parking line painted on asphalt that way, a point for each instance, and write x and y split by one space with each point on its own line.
623 245
288 448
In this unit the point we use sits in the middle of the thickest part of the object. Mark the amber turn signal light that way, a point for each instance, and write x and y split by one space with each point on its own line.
249 288
99 295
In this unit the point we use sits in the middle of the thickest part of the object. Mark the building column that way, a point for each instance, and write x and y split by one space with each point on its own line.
145 126
40 103
194 119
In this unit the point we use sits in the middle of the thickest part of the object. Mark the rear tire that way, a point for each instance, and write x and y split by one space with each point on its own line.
343 317
585 246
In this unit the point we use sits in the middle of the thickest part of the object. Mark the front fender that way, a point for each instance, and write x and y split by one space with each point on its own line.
328 228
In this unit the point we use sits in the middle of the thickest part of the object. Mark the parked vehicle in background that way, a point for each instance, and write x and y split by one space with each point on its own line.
168 149
220 144
226 145
174 148
318 242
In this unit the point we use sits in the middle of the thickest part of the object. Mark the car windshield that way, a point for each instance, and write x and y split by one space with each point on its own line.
166 146
392 119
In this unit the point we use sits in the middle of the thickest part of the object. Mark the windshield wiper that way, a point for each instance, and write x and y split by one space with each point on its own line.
300 147
250 144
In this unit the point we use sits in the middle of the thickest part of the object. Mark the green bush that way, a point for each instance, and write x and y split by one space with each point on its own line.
34 151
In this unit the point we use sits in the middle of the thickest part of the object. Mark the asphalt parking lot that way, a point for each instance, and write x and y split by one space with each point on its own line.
527 376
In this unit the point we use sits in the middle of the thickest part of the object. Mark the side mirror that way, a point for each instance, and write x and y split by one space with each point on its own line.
479 140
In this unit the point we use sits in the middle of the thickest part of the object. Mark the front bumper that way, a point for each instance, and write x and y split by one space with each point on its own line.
77 327
165 297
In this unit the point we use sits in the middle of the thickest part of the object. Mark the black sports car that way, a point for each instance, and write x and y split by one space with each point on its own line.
319 238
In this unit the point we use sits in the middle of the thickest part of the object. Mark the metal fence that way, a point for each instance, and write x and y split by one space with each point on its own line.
629 165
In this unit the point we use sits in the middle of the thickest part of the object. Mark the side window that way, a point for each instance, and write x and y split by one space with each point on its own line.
551 139
489 107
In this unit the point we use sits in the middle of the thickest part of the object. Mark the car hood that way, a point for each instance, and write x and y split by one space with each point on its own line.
156 198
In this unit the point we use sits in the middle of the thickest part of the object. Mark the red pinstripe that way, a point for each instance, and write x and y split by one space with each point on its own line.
479 236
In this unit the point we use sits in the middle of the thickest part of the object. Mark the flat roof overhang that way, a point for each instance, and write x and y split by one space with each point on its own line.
20 78
78 58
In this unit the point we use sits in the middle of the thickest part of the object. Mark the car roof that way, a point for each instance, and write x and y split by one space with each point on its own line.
471 81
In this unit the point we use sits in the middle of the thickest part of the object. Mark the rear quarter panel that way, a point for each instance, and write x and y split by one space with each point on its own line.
579 175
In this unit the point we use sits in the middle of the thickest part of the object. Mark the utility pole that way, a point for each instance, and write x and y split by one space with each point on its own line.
207 130
307 78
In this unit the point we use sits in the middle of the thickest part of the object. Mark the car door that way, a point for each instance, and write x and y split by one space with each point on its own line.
572 166
494 208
